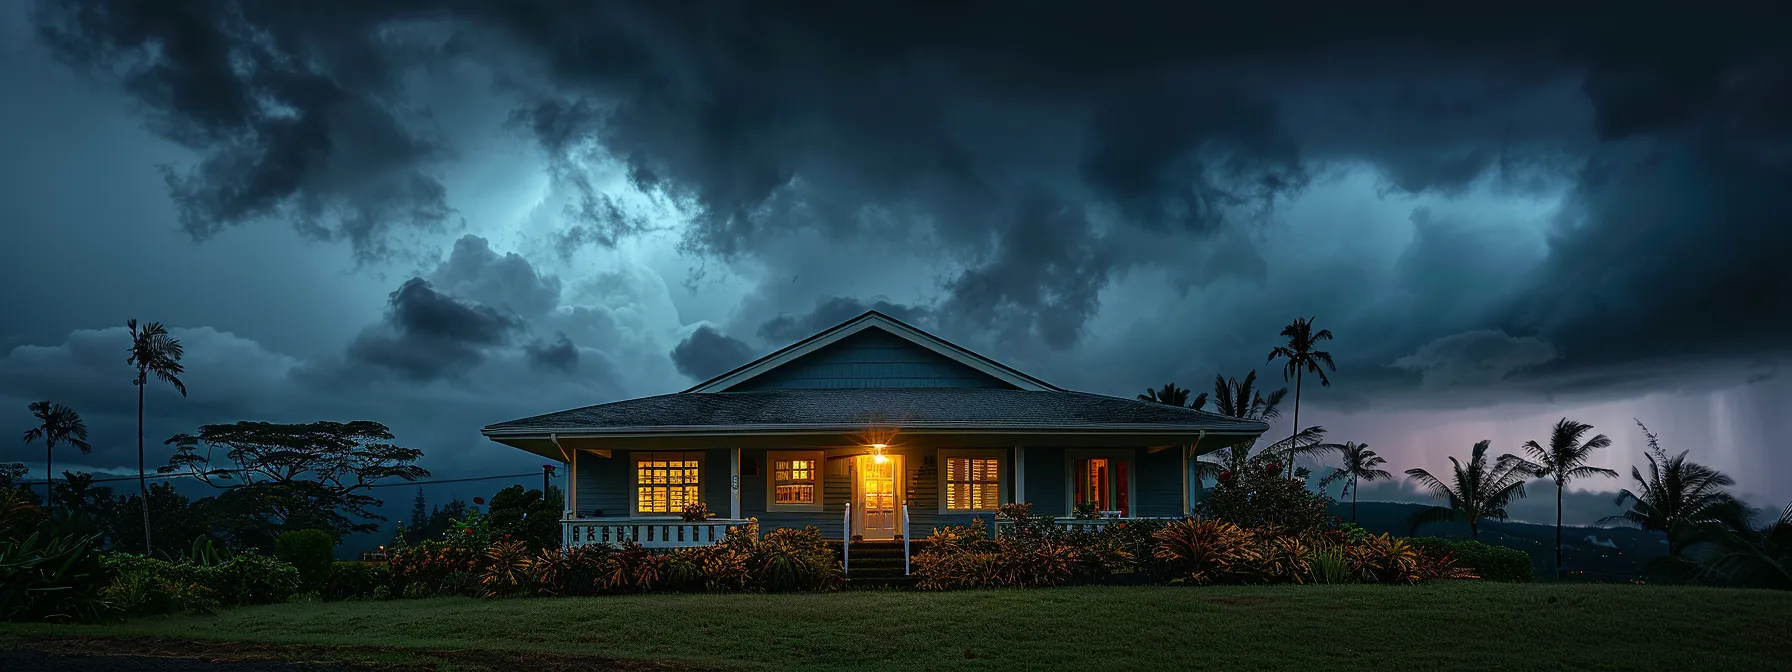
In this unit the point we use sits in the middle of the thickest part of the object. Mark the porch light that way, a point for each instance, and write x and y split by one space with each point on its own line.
877 453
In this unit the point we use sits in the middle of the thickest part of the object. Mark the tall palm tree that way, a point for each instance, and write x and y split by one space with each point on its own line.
58 424
1677 493
1302 358
157 354
1239 399
1360 464
1480 490
1564 460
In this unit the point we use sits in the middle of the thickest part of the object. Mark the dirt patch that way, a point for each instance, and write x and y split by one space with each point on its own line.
1239 600
341 657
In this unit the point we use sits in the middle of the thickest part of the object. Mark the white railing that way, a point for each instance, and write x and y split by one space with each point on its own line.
846 540
648 532
1082 524
905 539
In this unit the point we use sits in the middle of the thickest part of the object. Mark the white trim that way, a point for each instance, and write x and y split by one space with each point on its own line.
943 469
733 483
1020 474
868 321
771 478
1128 455
634 478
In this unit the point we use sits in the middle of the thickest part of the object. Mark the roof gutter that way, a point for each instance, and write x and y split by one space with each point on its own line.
678 431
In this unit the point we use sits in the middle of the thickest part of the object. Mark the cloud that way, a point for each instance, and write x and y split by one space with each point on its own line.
427 334
1475 358
787 329
559 355
708 352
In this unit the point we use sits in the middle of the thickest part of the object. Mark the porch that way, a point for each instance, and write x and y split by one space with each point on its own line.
656 533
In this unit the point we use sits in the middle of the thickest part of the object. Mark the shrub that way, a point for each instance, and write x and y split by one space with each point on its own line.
310 551
357 581
575 571
253 578
143 586
1490 562
433 568
1330 566
796 560
526 515
696 512
52 578
1386 559
508 565
1260 497
962 557
1202 551
632 569
716 568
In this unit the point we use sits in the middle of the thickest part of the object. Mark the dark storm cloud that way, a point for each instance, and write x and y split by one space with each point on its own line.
509 282
1033 155
428 334
787 329
708 352
559 355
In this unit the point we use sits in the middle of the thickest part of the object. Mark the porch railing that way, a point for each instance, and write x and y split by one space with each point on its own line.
846 541
1082 524
648 532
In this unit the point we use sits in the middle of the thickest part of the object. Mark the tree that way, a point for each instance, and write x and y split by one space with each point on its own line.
297 476
13 474
1480 490
57 424
1172 395
157 354
1360 464
1564 460
1678 492
175 521
1732 551
1302 358
1239 399
419 510
527 515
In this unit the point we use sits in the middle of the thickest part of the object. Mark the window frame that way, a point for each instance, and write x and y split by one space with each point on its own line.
634 478
817 475
944 459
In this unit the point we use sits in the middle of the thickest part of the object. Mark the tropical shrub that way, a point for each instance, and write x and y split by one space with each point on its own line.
526 515
716 568
19 514
253 578
51 578
1490 562
576 571
435 568
1329 565
632 569
509 569
1261 497
357 581
144 586
790 559
696 512
963 557
1201 551
310 551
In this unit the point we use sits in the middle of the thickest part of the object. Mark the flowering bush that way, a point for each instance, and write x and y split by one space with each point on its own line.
696 512
1262 497
434 568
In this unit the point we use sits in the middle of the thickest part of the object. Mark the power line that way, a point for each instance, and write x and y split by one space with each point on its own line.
376 485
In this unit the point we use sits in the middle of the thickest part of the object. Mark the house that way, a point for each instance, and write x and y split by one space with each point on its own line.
867 430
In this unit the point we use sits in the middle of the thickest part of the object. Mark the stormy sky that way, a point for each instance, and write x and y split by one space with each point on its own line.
440 214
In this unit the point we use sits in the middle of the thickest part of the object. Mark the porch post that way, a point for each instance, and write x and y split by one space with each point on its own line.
1020 474
734 483
1187 507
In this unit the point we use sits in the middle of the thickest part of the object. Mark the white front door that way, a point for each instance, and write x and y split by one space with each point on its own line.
875 498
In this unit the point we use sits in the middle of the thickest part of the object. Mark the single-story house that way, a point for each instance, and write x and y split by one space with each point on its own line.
867 430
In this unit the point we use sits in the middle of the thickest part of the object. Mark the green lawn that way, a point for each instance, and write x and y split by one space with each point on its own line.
1462 625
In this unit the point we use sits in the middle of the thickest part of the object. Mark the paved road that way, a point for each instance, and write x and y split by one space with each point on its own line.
23 660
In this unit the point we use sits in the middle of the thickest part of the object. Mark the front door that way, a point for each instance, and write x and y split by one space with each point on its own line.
875 500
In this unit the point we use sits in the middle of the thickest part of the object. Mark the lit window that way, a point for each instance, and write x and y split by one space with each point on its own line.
665 485
973 483
793 481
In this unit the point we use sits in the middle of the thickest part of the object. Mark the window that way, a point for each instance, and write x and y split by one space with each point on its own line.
666 482
972 484
794 481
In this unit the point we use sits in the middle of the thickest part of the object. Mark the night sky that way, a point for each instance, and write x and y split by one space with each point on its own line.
439 214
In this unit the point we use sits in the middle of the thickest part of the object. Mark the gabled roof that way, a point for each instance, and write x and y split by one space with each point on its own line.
873 320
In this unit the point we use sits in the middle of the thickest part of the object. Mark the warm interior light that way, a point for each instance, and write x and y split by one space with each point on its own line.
877 453
878 446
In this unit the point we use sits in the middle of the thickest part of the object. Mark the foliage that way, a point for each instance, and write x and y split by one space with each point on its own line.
56 424
789 559
1172 395
144 586
206 553
1202 551
1329 565
1359 464
1731 551
528 515
433 568
357 581
632 569
1302 358
253 578
507 569
310 551
1493 563
1085 511
1678 495
154 353
1478 491
314 474
46 577
475 531
18 515
696 512
1259 496
717 568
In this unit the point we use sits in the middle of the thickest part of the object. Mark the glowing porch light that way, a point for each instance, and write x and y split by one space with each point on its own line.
877 453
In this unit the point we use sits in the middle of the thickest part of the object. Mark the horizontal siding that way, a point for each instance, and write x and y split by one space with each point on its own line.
836 489
1159 491
871 359
1046 477
603 484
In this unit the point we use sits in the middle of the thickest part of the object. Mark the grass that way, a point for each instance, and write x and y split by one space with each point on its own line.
1455 625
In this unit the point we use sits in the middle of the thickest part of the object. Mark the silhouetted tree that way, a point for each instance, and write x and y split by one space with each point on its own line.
56 424
157 354
1239 399
1360 464
1482 489
1564 460
1170 395
1678 492
419 510
1302 358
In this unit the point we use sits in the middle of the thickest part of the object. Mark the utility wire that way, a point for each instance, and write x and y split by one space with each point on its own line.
377 485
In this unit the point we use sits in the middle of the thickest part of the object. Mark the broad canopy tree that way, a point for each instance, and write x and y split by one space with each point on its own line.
316 475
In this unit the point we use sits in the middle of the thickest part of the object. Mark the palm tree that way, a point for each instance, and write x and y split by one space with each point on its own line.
1172 395
1564 460
1480 490
1360 464
59 424
1303 358
154 353
1677 493
1239 399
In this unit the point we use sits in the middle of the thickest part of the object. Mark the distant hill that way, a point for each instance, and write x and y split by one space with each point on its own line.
1599 554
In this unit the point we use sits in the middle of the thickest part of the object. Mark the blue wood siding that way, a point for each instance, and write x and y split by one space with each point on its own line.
1159 490
836 490
603 484
1046 477
872 358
